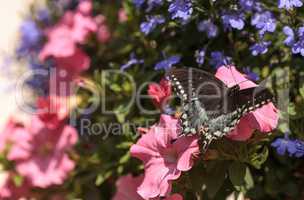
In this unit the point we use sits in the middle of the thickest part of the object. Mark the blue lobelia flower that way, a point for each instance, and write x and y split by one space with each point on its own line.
43 15
148 26
300 148
208 27
154 3
30 40
39 81
283 146
250 74
218 59
167 63
138 3
233 20
181 9
264 21
200 56
290 39
298 47
289 4
292 147
260 48
132 61
250 5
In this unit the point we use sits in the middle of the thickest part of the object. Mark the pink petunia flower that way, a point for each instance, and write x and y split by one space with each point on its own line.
73 28
75 63
9 190
62 78
103 32
160 93
59 40
52 110
163 159
263 119
85 7
122 15
13 137
127 186
82 27
42 156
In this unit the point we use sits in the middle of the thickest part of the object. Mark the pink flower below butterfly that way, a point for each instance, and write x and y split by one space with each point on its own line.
163 159
263 119
127 186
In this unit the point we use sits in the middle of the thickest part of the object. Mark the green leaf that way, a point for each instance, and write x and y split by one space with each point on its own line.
240 177
292 109
18 180
101 178
237 173
301 90
249 179
215 178
125 158
115 87
124 145
258 156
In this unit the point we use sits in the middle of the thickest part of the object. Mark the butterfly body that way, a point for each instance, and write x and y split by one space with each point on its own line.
209 107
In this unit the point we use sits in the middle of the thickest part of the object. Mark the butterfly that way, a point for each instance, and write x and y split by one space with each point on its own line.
209 107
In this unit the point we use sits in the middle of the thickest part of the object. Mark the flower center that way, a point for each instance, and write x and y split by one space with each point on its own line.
45 149
170 156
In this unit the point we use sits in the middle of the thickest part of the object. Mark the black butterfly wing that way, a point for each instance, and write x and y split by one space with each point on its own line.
201 94
207 99
240 103
191 83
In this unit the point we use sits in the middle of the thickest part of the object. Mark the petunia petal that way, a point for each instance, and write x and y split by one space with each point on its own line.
186 148
265 118
242 131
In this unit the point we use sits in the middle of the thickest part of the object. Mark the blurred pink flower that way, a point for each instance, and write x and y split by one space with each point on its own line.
263 119
160 93
75 63
103 31
9 190
73 28
127 186
85 7
59 41
44 160
122 15
13 138
163 159
52 110
82 27
62 45
66 71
